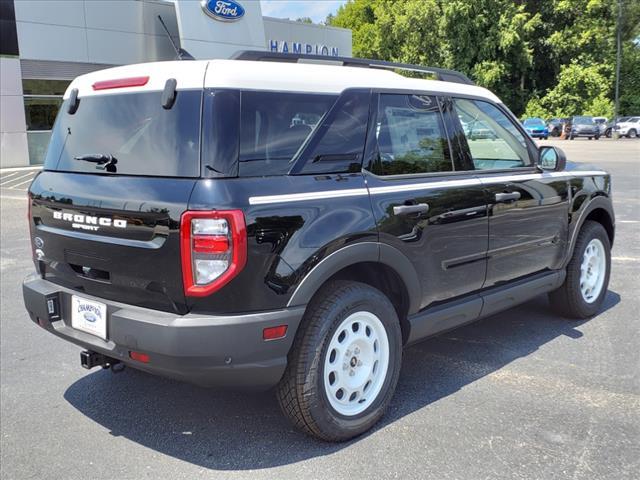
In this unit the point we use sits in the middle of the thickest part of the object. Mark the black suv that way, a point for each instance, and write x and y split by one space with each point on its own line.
252 223
582 126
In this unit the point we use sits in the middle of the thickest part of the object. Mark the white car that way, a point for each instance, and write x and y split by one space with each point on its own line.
629 128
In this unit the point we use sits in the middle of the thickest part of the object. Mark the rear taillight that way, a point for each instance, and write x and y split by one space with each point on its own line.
213 249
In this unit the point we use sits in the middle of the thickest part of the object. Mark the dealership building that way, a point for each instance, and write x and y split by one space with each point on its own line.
44 44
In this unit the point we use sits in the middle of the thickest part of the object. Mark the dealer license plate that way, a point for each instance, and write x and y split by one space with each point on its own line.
89 316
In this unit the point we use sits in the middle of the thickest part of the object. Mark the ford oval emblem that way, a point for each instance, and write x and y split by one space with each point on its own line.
225 10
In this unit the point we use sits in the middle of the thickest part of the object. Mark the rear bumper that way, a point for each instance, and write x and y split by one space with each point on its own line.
539 134
211 350
585 133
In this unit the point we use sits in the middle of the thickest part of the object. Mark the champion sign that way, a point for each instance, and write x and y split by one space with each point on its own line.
225 10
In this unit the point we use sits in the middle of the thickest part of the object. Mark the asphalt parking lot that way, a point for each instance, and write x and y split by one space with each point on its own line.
522 394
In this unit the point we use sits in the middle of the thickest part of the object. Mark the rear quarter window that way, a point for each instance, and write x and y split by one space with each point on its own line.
273 126
143 137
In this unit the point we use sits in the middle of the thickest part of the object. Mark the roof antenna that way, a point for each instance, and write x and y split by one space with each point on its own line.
181 53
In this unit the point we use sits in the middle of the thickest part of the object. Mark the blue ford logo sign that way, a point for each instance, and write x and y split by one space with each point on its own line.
225 10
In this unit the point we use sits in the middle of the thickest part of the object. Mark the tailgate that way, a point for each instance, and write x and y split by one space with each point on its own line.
114 237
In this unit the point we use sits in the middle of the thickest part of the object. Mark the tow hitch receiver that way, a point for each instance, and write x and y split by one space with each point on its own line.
89 359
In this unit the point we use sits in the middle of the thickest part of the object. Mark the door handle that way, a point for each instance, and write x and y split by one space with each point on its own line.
507 197
408 209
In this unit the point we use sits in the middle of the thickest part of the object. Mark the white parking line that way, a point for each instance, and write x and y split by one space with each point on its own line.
625 259
11 174
21 183
17 178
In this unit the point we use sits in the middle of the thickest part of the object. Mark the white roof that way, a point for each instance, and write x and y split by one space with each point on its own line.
266 75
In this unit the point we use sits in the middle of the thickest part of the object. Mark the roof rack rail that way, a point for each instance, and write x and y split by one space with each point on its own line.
439 73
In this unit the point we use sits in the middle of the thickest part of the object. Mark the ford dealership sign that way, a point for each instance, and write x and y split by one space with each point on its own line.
225 10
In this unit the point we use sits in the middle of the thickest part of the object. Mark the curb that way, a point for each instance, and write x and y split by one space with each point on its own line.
19 169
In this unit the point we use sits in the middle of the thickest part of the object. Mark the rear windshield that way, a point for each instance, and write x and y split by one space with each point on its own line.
583 120
134 129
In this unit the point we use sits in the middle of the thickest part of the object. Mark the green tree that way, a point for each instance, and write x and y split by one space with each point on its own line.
548 57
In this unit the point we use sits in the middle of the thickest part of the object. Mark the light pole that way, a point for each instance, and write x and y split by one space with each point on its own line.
618 52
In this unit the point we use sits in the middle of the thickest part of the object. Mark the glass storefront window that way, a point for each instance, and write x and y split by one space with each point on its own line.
42 100
37 143
44 87
40 112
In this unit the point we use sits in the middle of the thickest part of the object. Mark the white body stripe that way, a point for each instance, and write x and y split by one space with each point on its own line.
465 182
299 197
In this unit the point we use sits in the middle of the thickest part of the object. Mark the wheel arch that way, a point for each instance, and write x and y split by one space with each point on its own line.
600 210
378 265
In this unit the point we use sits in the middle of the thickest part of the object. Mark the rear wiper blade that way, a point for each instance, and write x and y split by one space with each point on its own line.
97 158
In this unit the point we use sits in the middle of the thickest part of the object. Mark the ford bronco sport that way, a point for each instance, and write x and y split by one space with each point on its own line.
269 221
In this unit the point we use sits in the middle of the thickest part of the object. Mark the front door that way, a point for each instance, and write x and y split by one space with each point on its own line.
433 214
528 209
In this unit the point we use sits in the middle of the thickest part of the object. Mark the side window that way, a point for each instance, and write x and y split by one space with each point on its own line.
494 142
338 145
411 136
273 126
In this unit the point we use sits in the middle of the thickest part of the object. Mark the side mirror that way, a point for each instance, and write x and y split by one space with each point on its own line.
551 159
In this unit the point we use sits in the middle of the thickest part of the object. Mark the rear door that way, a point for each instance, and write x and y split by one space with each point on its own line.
117 176
423 206
528 210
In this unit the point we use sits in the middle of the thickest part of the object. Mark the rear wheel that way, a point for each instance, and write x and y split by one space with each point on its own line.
585 286
344 364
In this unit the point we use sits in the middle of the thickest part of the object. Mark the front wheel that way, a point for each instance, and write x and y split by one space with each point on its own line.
344 364
632 133
583 291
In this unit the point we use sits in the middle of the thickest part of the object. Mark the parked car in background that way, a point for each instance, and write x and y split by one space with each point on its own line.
601 122
581 126
609 130
536 127
629 127
477 130
555 126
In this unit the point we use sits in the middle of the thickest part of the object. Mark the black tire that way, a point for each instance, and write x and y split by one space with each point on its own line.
632 133
301 391
607 133
568 300
590 138
597 137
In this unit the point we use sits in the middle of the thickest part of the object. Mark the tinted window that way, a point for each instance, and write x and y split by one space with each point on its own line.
339 142
145 138
410 136
273 126
494 141
40 112
533 121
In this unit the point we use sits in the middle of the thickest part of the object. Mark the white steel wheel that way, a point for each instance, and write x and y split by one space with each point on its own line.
356 363
593 270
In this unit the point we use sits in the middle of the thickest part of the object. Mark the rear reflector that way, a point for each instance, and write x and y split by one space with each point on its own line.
121 83
210 244
139 357
273 333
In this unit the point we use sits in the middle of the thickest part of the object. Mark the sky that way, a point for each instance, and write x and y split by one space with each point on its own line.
317 10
